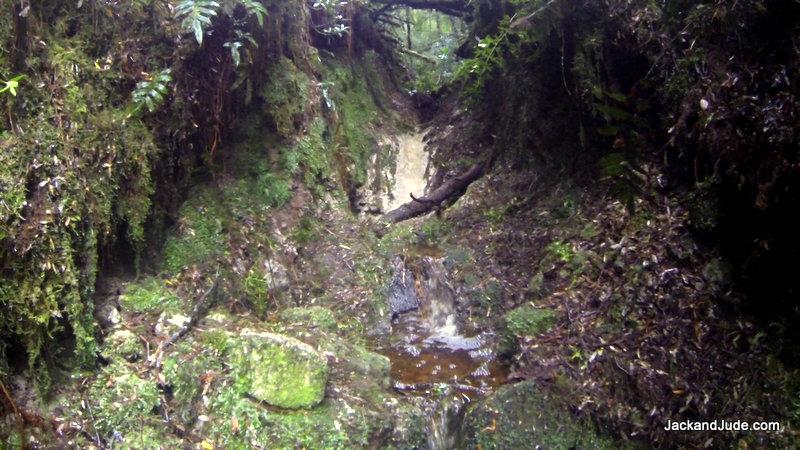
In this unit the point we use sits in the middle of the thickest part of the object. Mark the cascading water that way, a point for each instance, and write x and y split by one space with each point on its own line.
411 171
431 355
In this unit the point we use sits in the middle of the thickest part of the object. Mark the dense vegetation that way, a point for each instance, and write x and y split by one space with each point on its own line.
164 142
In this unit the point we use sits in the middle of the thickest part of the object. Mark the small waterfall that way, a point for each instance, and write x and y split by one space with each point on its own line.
438 298
410 174
444 419
430 355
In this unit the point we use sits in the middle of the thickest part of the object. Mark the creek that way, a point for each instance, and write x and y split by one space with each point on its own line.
433 355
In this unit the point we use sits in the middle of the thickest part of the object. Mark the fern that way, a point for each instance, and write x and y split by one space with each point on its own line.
150 93
196 16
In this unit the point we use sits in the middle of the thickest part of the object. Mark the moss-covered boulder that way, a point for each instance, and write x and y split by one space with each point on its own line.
312 316
524 321
522 416
279 370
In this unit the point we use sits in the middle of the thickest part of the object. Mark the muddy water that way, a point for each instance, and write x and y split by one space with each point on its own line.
411 173
431 357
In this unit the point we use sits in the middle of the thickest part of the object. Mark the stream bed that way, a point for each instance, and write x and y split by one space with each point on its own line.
433 357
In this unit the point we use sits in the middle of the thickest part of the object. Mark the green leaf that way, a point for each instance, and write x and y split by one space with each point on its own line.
254 7
196 15
612 112
198 31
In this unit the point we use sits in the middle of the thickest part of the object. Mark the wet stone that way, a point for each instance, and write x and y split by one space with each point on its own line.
402 293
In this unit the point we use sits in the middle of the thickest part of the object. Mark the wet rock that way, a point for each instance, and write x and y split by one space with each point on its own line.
409 428
374 366
276 276
107 315
402 293
167 324
522 416
279 370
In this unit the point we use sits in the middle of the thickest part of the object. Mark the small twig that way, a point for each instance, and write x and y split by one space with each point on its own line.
620 368
13 406
94 426
202 305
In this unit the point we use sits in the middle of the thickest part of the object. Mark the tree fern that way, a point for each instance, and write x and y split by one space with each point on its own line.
196 16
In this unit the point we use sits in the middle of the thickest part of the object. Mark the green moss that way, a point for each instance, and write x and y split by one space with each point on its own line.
185 366
89 184
374 366
529 321
358 115
274 190
285 96
332 425
312 153
312 317
123 403
496 214
150 294
524 321
279 370
306 231
561 250
200 236
522 416
256 288
122 344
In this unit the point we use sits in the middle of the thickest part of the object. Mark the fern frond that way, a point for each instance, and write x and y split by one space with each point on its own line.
196 16
150 93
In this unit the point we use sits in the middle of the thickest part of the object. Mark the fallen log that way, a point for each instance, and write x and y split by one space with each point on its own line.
419 206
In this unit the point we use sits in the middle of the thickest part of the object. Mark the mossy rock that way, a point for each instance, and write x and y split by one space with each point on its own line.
279 370
311 316
524 321
201 235
335 424
122 344
522 416
371 365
